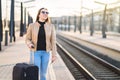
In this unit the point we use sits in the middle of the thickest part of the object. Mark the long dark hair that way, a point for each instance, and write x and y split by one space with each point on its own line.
37 18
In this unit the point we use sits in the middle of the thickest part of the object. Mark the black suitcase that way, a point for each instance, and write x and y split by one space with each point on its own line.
23 71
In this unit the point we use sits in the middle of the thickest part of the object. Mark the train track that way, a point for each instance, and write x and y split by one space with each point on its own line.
77 70
97 68
110 55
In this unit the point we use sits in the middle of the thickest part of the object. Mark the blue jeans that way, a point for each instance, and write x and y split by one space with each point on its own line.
41 59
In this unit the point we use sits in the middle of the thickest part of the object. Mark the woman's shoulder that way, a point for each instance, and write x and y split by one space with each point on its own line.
34 23
31 24
50 24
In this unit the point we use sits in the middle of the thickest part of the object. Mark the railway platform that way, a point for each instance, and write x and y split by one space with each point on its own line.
18 52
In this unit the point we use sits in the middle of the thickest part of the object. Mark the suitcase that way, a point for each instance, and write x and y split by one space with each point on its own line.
23 71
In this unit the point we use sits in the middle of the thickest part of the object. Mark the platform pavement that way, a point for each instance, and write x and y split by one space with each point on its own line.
18 52
10 55
112 42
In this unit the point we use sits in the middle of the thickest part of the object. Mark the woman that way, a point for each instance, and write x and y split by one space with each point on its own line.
41 38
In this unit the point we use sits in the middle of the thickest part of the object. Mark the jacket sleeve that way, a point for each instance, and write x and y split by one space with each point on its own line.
54 50
28 39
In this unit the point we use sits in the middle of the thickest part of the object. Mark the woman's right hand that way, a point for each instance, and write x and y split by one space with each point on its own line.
31 46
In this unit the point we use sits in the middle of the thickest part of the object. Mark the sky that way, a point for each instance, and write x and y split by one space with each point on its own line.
62 7
69 7
58 8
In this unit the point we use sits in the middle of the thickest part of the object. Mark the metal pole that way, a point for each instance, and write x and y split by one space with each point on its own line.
6 28
104 23
12 20
6 37
85 23
75 23
61 23
25 20
69 23
57 24
80 28
65 23
119 21
21 21
91 25
31 19
28 18
0 46
1 27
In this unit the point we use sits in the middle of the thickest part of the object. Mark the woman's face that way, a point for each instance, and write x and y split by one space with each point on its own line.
43 14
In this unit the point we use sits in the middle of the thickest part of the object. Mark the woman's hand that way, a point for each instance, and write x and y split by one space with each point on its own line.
31 46
54 57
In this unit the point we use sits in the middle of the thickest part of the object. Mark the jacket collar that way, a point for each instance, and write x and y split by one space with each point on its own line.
38 25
